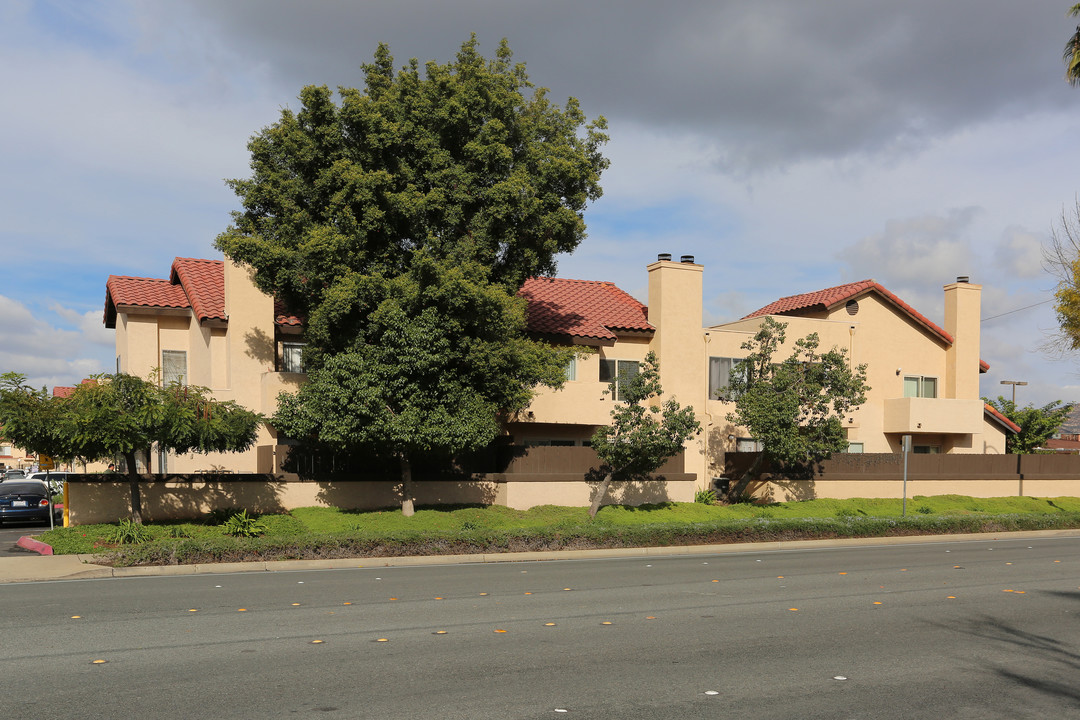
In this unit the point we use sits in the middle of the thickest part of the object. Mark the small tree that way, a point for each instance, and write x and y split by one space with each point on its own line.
1037 425
30 418
794 408
122 414
642 434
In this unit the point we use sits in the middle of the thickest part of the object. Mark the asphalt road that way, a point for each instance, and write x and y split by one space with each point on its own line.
944 630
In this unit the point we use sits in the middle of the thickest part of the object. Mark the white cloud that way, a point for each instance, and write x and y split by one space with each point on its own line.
49 355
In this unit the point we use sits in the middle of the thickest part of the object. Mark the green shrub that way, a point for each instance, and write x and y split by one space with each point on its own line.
129 532
243 525
705 497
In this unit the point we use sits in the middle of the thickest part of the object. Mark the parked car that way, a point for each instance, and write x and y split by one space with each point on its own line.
14 474
24 500
55 480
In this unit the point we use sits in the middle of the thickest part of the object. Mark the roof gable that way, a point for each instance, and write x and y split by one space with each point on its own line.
830 298
586 309
204 283
122 290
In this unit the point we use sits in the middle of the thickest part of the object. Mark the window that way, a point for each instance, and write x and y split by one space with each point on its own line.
745 444
920 386
719 376
173 367
854 447
926 449
571 369
5 451
292 357
619 371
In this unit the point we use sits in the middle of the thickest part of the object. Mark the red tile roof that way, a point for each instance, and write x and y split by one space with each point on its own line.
582 308
996 414
282 316
204 283
61 391
829 298
145 292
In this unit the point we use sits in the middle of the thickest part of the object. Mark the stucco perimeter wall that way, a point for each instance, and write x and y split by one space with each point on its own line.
572 492
882 476
102 502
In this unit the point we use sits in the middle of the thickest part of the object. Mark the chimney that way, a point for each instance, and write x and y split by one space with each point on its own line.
963 300
675 300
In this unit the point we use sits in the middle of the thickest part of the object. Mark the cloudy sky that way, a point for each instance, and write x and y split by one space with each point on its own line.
788 145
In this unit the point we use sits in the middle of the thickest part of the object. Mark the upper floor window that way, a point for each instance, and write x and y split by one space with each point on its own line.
174 367
571 369
920 386
292 357
619 371
720 377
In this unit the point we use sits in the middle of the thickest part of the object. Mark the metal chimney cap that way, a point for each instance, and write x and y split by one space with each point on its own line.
963 279
687 259
663 256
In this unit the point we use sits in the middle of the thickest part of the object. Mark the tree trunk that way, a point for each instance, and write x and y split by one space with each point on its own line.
736 490
601 494
136 491
407 508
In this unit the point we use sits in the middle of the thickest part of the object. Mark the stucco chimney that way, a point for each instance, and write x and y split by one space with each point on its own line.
675 311
963 300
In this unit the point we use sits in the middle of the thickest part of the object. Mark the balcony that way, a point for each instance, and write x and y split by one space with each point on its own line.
580 403
933 415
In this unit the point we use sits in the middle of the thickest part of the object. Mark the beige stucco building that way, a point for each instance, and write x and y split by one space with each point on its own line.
209 325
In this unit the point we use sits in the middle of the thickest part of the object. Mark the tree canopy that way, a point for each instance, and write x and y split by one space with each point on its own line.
460 161
1037 424
400 223
794 407
643 433
122 414
30 418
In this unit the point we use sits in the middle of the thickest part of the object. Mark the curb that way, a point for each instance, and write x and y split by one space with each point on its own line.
37 546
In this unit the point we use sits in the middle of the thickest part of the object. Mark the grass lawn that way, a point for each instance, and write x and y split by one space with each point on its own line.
327 532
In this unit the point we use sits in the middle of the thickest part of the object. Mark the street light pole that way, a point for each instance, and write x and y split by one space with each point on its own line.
1014 383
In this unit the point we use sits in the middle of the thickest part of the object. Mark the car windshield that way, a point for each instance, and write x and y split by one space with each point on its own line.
22 488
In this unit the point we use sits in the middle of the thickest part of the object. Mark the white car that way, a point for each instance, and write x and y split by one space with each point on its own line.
55 480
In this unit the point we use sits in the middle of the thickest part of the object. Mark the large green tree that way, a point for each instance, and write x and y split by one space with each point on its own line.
462 160
124 415
643 433
1037 424
400 222
794 407
438 362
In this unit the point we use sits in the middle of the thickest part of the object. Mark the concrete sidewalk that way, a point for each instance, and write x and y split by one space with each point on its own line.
45 568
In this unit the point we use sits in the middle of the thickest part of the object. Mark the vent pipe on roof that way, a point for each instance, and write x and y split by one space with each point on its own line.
687 259
962 279
663 256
